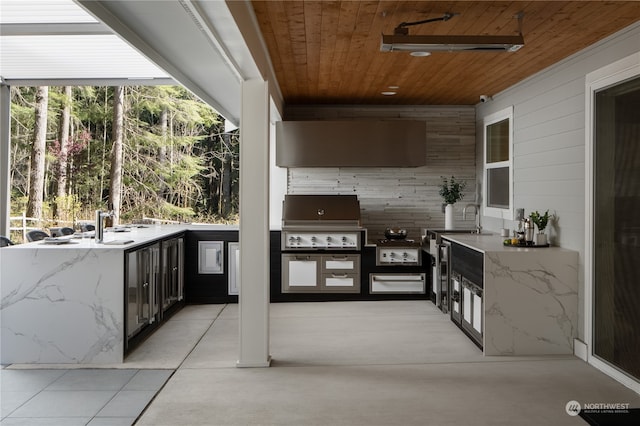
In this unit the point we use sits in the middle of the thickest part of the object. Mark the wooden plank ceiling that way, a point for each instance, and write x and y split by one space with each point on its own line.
328 52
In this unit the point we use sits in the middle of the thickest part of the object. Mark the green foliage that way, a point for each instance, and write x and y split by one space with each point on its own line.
172 212
540 220
68 207
451 190
175 154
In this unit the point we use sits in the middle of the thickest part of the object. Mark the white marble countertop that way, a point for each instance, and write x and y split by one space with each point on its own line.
64 303
493 243
530 297
131 237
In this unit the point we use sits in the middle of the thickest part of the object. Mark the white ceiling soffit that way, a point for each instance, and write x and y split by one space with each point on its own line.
56 42
188 42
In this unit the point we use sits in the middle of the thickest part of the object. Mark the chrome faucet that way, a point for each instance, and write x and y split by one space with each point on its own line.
100 215
476 208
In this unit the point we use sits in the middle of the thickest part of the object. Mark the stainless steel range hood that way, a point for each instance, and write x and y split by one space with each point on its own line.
351 143
451 43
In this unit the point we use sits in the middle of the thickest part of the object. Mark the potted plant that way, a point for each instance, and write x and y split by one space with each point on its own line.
451 192
541 221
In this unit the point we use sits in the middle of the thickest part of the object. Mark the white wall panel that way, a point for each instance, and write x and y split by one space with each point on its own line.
549 140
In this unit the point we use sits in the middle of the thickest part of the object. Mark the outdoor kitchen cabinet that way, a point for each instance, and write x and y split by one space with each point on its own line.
142 272
340 273
208 273
514 300
153 286
172 273
327 273
467 288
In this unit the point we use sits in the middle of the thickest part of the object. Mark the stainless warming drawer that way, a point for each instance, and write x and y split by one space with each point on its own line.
411 283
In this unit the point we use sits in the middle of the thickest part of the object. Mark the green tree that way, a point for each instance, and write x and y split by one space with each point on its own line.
177 161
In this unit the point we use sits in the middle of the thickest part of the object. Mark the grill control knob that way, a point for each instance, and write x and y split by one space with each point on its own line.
313 239
405 254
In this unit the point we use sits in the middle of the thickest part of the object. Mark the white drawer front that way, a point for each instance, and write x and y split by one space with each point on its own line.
340 281
339 264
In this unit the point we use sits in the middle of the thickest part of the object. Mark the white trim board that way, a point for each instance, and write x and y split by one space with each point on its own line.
616 72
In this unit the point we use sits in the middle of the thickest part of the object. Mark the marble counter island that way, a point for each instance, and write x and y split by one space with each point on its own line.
530 297
64 303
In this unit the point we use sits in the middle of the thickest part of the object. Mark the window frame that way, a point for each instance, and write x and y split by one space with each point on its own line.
496 212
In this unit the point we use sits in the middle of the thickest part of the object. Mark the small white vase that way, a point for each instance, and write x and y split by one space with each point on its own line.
541 239
448 217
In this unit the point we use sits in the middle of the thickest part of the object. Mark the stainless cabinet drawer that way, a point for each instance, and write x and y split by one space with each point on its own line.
341 282
397 283
341 263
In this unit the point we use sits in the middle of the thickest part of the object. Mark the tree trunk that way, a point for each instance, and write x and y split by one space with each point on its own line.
115 176
36 175
225 181
164 125
162 154
65 118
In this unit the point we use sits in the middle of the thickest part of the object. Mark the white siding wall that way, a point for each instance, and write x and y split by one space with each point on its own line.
403 197
549 140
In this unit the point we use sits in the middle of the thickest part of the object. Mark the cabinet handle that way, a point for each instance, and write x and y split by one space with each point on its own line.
339 258
339 275
302 258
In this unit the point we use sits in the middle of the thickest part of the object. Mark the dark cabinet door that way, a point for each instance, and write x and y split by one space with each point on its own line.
172 272
143 278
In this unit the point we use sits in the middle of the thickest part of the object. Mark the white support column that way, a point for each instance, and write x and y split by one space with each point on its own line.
5 141
254 225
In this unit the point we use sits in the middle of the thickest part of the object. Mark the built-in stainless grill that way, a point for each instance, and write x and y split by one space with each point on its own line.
321 242
321 222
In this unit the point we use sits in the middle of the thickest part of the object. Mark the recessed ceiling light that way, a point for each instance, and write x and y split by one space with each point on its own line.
394 87
420 53
388 93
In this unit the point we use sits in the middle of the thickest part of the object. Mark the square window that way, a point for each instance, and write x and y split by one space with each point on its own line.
498 141
498 187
